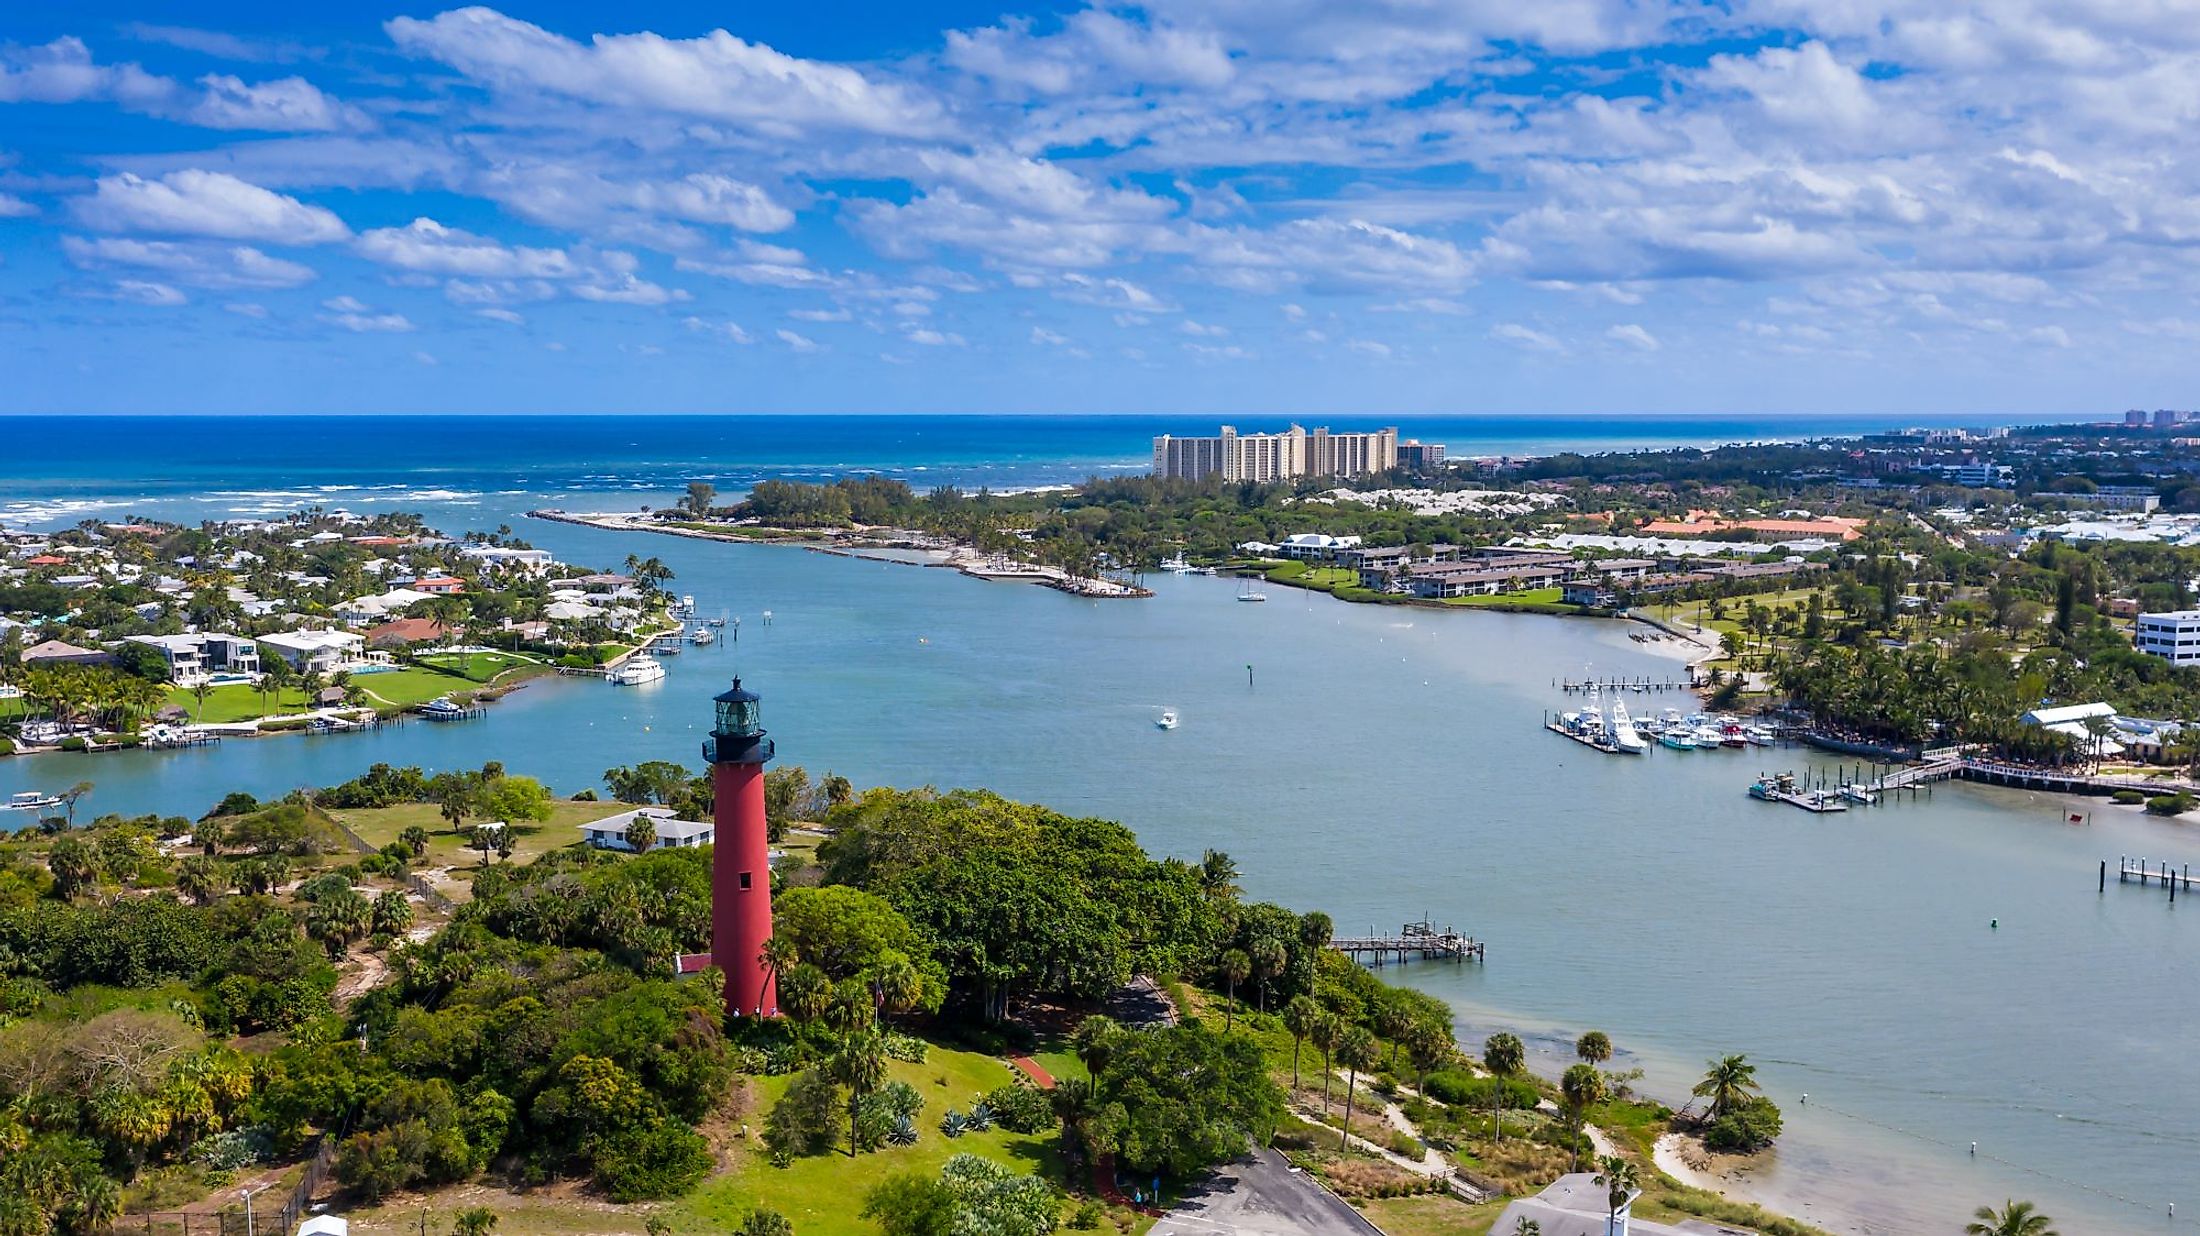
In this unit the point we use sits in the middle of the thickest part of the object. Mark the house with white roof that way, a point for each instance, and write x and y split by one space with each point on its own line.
1576 1205
505 558
2072 721
365 611
318 652
609 833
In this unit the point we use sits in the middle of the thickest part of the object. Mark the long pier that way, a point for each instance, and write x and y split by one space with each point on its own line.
1616 686
1423 940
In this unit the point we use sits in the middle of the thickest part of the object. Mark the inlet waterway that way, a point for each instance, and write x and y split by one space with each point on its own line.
1382 764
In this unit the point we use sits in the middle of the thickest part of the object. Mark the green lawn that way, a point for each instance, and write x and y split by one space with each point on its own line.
239 702
379 826
823 1195
1535 600
1431 1215
477 666
410 686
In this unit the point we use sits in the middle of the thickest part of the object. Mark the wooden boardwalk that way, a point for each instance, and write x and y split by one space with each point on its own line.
1423 940
2161 875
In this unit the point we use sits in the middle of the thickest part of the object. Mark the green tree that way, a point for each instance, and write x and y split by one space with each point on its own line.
1595 1047
74 865
2013 1219
1620 1181
1327 1031
393 913
474 1221
860 1065
1236 967
275 675
764 1222
1730 1082
1299 1017
641 833
415 839
1504 1056
1581 1087
513 800
1355 1051
200 878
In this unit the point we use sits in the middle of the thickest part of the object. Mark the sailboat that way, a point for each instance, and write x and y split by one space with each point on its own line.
1246 591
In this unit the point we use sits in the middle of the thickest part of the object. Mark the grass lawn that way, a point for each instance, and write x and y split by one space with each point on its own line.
1535 600
476 666
381 825
823 1195
239 702
1431 1215
410 686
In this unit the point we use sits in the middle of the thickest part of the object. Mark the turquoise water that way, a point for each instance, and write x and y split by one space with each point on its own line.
1384 764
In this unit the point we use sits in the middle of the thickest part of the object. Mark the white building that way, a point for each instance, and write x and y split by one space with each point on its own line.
609 833
317 652
195 658
2173 636
1576 1205
505 558
1275 456
2071 721
361 611
1316 546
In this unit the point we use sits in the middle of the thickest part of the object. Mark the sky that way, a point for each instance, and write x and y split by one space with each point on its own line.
1232 206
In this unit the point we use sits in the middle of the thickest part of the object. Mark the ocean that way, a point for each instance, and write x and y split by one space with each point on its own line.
1931 974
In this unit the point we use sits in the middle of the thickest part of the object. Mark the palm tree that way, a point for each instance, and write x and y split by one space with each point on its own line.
393 914
275 674
1218 875
1620 1183
474 1221
1582 1087
896 986
1299 1017
415 839
199 878
860 1065
1429 1044
1235 967
777 957
199 691
1731 1082
1269 960
805 992
2013 1219
1503 1056
1327 1033
1094 1042
1594 1047
1355 1051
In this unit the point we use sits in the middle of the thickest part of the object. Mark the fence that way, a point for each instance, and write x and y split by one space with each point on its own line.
232 1220
417 883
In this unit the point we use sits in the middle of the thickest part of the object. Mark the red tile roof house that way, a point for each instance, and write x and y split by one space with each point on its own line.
406 631
438 584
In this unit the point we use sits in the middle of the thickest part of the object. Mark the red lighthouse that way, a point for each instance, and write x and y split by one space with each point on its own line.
740 865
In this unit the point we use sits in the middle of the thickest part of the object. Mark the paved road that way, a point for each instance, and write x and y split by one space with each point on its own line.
1262 1196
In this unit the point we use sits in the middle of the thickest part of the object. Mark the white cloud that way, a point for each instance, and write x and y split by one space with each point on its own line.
1633 336
199 265
63 71
1119 294
1041 335
355 316
427 247
820 315
246 309
1526 338
800 343
290 105
933 338
716 77
201 203
728 330
507 316
147 292
1370 347
12 207
1202 329
426 358
1226 352
628 289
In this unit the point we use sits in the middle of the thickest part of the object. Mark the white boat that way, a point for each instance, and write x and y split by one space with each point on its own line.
701 636
687 605
1858 793
1708 735
638 670
1677 738
1760 736
1176 565
31 800
441 709
1252 594
1167 719
1620 731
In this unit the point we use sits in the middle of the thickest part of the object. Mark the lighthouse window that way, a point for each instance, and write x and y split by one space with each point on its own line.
744 879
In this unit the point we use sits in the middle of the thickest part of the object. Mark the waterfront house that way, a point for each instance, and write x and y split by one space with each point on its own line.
316 652
399 632
1316 546
55 652
2078 723
609 833
1466 579
360 611
194 658
439 585
505 558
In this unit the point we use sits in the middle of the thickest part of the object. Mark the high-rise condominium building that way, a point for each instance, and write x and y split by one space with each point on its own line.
1238 456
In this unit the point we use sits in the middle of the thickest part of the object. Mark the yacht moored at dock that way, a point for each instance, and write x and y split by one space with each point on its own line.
638 669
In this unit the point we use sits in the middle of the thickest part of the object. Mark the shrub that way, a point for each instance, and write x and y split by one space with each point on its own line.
1087 1216
657 1160
805 1120
1749 1128
1460 1088
7 745
953 1123
1021 1109
982 1116
74 742
233 1149
2171 804
907 1048
2128 798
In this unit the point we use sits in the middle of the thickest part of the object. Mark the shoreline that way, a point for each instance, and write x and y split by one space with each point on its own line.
965 559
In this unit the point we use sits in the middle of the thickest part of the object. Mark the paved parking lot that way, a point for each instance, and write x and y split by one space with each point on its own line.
1263 1196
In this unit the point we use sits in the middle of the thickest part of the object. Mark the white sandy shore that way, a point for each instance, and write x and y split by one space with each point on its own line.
1672 1153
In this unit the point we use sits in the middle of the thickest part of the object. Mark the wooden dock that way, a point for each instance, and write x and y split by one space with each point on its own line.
1583 739
1423 940
1619 686
2160 875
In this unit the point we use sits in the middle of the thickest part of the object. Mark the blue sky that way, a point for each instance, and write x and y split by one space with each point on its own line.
1230 206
